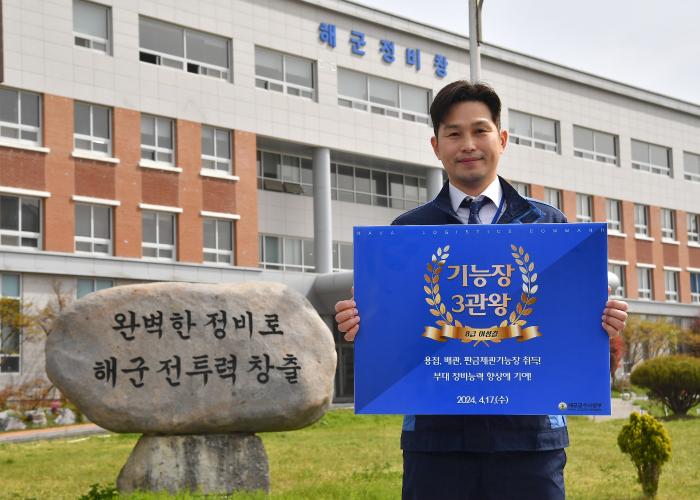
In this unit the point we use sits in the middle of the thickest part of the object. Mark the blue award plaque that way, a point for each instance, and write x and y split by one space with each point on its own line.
487 319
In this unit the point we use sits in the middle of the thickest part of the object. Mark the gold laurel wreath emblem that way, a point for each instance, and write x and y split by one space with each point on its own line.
516 317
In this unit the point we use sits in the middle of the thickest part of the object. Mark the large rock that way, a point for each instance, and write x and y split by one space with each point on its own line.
214 463
255 357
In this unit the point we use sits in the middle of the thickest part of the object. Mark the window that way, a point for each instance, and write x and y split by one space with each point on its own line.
93 229
157 136
158 240
182 48
218 241
20 116
693 228
691 166
284 173
342 256
375 187
619 271
613 214
216 149
89 285
91 25
584 211
695 287
553 197
92 128
284 73
651 158
595 145
671 287
641 220
644 283
20 222
10 331
533 131
288 254
668 224
522 188
382 96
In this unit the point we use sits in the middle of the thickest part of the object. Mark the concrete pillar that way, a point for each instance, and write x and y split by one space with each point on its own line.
323 231
433 182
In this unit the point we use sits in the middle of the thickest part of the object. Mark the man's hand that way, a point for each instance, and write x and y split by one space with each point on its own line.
614 316
347 317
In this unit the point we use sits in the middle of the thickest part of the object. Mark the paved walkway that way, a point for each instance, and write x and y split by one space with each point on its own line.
620 409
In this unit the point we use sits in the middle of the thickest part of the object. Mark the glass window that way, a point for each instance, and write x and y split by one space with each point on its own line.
584 212
158 235
383 91
595 145
619 271
218 241
641 220
553 197
91 25
671 285
286 253
352 84
20 116
651 158
10 330
693 228
216 149
184 48
533 131
644 283
20 222
93 229
522 188
613 212
85 286
92 130
284 73
695 287
668 224
157 136
691 166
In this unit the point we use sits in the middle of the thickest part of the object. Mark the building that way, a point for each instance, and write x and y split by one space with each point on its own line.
235 140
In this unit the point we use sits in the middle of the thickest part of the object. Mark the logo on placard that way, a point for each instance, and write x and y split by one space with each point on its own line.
475 305
562 406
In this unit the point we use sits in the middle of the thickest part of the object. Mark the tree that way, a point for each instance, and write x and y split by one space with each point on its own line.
673 380
689 341
645 339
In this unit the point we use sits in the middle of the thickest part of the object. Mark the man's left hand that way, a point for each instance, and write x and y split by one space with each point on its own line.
614 317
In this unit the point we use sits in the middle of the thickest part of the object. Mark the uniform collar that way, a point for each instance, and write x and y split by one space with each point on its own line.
493 192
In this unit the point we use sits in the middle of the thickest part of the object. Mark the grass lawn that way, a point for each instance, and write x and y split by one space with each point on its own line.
347 457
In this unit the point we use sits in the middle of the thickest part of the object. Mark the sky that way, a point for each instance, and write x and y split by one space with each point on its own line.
650 44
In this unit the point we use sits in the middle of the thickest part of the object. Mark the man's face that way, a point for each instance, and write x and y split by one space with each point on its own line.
469 146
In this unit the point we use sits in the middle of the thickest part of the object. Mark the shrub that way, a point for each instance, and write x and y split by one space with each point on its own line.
649 446
673 380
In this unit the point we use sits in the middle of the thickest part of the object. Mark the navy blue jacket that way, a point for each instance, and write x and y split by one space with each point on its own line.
483 433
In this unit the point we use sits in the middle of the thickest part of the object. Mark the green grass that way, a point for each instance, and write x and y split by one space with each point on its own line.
347 457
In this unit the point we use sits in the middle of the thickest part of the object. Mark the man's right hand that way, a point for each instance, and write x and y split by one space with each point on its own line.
347 317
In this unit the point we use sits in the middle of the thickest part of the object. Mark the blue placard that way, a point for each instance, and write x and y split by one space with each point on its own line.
487 319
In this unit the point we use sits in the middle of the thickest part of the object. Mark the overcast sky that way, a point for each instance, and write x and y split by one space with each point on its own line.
651 44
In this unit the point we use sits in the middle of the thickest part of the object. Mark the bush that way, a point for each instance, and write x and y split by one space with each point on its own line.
673 380
649 446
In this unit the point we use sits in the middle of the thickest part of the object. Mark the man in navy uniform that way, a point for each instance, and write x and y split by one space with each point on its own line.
498 457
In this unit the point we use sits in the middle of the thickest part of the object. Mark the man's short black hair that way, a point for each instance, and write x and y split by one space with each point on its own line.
461 91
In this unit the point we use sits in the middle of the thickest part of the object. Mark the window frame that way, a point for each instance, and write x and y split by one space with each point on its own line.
157 245
92 39
581 217
694 283
693 232
93 282
19 126
595 155
648 273
93 139
531 141
92 240
671 293
282 86
668 232
641 228
614 225
621 290
522 188
691 176
548 194
215 158
648 166
217 252
183 63
156 148
20 333
338 256
282 265
382 109
20 233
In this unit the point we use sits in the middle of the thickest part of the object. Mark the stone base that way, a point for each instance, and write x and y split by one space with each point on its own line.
208 463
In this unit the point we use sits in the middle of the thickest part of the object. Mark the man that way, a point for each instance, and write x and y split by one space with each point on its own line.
479 456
